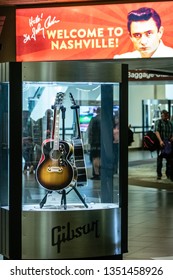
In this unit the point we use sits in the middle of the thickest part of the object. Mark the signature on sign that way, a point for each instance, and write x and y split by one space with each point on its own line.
38 26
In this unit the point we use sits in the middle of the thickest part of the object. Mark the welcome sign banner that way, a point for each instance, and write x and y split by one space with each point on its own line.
81 32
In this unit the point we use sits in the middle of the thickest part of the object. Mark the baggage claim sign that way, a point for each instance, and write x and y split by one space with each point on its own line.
78 32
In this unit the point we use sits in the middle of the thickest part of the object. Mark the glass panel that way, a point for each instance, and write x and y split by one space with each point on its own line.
64 152
4 145
116 140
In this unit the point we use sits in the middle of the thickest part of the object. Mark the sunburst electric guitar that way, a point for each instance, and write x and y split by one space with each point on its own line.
78 148
54 171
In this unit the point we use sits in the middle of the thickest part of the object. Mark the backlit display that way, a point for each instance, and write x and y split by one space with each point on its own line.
92 32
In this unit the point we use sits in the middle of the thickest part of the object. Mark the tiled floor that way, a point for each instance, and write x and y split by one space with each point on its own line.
150 223
150 220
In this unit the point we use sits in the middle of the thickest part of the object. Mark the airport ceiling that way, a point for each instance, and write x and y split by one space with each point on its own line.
154 65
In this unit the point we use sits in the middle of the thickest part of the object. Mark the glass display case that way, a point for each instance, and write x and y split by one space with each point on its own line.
72 156
61 145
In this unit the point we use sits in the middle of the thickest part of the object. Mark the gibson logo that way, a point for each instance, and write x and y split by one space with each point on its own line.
61 234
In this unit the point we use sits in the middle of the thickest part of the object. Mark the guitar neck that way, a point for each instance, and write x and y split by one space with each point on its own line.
76 107
78 124
56 130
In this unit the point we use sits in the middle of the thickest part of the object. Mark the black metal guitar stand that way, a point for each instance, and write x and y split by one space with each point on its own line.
63 199
63 110
64 196
43 201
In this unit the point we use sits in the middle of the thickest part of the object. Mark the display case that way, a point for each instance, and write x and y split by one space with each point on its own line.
66 157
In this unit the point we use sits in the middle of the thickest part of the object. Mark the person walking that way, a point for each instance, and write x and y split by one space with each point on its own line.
116 144
164 131
94 140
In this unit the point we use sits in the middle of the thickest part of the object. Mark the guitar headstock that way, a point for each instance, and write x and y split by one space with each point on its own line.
75 106
58 100
72 98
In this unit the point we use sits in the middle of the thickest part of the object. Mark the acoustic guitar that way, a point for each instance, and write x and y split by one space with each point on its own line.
78 147
54 171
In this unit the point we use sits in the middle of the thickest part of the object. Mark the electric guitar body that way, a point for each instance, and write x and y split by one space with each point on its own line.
78 148
79 160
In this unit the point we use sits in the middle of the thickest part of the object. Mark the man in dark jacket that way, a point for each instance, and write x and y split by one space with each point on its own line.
94 141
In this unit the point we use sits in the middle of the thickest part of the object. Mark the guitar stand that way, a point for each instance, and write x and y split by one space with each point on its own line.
63 110
43 201
64 197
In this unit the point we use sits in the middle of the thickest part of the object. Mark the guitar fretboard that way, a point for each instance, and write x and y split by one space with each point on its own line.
56 131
